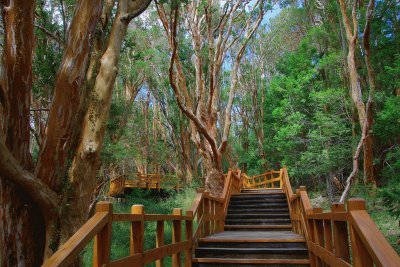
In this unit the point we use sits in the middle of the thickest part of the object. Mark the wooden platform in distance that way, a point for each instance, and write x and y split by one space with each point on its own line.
254 236
142 181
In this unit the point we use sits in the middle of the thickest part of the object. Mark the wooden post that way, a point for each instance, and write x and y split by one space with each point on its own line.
206 214
360 254
176 236
200 213
340 233
213 212
189 237
328 235
137 231
102 241
160 241
222 219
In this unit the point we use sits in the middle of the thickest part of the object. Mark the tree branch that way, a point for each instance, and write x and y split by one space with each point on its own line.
51 35
199 125
11 170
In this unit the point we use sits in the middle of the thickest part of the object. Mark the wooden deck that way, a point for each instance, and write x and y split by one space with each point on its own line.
156 181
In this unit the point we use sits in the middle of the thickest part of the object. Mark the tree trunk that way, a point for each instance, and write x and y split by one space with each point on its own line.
368 145
82 175
356 94
21 225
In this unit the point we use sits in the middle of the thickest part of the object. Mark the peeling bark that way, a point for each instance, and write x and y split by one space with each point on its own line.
70 77
204 119
356 93
21 223
82 175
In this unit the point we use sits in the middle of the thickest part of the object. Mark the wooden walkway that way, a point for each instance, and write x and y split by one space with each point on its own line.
257 233
158 182
258 221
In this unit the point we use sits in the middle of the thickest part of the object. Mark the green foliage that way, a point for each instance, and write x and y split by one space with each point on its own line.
391 172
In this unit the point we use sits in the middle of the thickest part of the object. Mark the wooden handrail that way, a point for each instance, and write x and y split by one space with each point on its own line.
341 237
207 212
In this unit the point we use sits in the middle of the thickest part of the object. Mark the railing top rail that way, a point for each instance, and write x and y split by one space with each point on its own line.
71 249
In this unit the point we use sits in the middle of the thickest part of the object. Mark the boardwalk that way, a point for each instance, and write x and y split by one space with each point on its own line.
145 181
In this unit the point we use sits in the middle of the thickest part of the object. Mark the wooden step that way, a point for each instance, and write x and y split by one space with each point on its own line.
253 237
251 261
255 193
257 215
257 205
257 200
263 210
254 196
257 221
266 190
251 253
276 227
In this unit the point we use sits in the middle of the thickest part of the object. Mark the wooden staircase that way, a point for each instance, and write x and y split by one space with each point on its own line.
257 233
258 221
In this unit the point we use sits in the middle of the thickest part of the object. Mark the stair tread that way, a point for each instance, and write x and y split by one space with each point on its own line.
258 219
259 226
254 236
260 261
252 249
259 214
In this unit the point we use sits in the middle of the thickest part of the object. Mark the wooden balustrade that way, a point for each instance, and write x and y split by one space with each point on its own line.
145 181
268 180
205 217
345 236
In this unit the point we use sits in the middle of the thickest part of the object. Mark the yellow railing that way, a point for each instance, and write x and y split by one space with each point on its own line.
268 180
205 217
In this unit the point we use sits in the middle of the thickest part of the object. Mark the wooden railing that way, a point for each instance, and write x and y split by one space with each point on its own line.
268 180
147 181
341 237
205 217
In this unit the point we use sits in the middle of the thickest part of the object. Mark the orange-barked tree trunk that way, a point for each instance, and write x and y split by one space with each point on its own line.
202 106
22 225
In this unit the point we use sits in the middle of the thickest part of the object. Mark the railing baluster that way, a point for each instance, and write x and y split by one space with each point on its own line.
360 255
102 241
340 233
160 241
176 236
319 233
206 214
328 235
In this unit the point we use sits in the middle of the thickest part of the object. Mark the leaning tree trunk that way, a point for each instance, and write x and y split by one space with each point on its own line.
356 94
21 224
